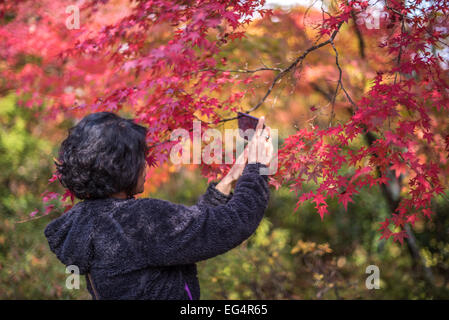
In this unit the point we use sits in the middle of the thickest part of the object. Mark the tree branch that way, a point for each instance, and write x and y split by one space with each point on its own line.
283 72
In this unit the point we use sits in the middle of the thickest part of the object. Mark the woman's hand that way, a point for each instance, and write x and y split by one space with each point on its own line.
226 183
260 146
259 149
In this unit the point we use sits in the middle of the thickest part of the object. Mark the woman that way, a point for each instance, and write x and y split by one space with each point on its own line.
147 248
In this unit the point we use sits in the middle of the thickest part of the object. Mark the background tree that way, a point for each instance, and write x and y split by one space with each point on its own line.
362 111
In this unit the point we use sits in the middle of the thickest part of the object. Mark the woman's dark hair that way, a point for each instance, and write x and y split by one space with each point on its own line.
102 155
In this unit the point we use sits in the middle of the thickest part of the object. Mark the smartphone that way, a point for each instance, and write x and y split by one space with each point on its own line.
245 122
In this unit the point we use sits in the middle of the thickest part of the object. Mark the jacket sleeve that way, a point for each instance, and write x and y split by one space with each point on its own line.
212 197
178 234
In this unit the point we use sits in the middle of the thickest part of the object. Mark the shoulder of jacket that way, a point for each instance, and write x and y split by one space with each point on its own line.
146 206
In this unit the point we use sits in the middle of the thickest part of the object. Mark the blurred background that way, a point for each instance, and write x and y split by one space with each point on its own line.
293 255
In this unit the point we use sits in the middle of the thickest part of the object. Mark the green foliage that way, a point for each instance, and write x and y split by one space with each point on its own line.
295 255
28 270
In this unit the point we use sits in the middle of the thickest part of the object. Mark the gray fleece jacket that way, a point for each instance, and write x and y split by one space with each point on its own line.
147 248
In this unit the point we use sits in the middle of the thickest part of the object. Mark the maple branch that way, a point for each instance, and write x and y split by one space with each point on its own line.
393 10
429 181
30 219
338 84
398 61
359 35
332 98
393 204
242 70
438 40
158 143
33 218
283 72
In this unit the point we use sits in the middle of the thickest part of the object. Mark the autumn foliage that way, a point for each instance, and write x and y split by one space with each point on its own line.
168 63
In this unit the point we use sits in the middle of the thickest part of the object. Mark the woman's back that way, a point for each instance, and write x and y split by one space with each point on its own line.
147 248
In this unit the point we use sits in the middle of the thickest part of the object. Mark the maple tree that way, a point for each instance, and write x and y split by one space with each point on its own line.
163 62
